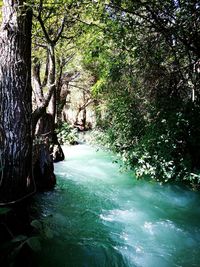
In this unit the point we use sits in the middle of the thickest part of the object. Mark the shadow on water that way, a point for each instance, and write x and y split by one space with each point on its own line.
78 237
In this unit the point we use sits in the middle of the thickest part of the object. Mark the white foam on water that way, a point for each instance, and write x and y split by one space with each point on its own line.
148 224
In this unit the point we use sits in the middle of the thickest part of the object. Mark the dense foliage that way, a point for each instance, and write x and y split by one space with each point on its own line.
66 134
147 69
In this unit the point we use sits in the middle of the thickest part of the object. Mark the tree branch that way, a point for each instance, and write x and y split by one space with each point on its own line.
60 31
43 28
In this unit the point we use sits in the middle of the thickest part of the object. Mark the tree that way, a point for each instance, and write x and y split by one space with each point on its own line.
49 30
48 40
15 98
57 26
150 83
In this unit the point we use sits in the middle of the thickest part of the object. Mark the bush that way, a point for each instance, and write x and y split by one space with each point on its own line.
168 148
66 134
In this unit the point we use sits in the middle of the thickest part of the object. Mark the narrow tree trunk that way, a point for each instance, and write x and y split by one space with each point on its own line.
84 110
52 106
52 81
84 118
15 102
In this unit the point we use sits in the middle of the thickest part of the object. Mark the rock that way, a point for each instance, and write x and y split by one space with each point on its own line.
57 153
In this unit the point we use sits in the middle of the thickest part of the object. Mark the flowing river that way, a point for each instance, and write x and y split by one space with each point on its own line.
100 217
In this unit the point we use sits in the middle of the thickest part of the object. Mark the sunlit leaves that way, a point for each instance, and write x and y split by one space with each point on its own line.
1 5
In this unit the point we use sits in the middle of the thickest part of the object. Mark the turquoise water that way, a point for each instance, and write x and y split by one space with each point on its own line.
100 217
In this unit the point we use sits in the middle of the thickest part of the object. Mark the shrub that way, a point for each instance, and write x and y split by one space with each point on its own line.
66 134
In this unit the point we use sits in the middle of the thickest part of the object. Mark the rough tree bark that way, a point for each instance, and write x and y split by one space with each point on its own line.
15 102
46 130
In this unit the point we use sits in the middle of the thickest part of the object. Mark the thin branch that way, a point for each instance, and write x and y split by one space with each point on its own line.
79 87
44 29
85 105
60 31
44 82
90 24
40 45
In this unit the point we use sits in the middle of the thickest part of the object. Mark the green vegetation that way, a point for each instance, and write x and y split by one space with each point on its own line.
66 134
134 64
128 69
148 79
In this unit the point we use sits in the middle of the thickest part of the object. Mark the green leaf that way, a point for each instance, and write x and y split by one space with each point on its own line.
36 224
34 243
48 233
19 238
4 210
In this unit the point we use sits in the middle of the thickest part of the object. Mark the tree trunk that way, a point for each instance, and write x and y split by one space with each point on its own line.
15 102
84 118
52 80
52 106
45 131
